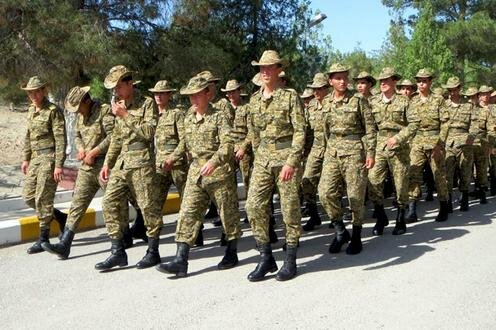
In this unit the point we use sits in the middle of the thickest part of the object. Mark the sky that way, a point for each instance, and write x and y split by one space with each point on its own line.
352 23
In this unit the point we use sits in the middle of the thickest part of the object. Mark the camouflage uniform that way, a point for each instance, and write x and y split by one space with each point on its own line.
207 140
346 122
394 119
481 159
239 134
491 138
277 131
44 149
132 160
433 116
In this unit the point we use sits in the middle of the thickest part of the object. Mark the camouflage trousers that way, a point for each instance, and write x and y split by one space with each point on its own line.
194 204
245 166
164 181
140 184
40 187
398 162
311 175
339 172
263 181
462 158
481 162
418 157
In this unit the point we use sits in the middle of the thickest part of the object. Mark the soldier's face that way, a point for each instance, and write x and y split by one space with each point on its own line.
124 89
454 92
162 98
234 96
200 100
424 84
320 93
387 85
37 96
406 91
484 97
270 73
363 86
339 81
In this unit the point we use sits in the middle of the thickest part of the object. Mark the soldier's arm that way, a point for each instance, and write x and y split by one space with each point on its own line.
482 124
252 136
58 129
299 130
444 124
115 146
370 127
26 148
108 122
413 124
309 134
78 140
225 152
473 130
180 150
244 113
146 129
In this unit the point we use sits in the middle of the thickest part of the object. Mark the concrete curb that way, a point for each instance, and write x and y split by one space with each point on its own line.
23 228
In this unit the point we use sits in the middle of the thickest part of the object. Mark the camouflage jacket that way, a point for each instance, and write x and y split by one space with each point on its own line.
169 137
276 128
208 140
433 117
491 126
346 122
461 125
45 134
239 131
95 131
224 106
393 118
132 140
314 138
483 118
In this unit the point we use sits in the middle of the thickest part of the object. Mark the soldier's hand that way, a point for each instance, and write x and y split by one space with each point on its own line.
89 159
119 109
391 142
438 152
24 167
104 174
57 174
369 163
240 154
81 154
168 165
287 173
207 169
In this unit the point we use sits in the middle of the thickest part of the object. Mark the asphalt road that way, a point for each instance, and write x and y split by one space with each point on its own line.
437 276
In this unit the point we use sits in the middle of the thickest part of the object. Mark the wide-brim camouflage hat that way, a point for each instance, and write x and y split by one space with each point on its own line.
162 86
471 91
308 92
425 73
74 98
115 74
485 89
338 67
453 82
319 80
195 85
269 57
231 85
367 76
208 76
406 82
34 83
257 80
388 72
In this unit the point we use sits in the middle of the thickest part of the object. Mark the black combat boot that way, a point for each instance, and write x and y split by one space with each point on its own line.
127 238
230 256
400 226
342 237
464 202
288 269
272 233
118 256
152 257
492 190
36 247
482 196
138 229
430 195
412 212
199 237
355 246
178 266
63 248
267 264
223 241
212 211
443 211
382 220
450 204
314 220
61 218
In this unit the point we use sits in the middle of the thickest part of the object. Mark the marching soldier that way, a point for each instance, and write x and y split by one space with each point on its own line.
306 97
481 147
406 88
43 157
364 83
